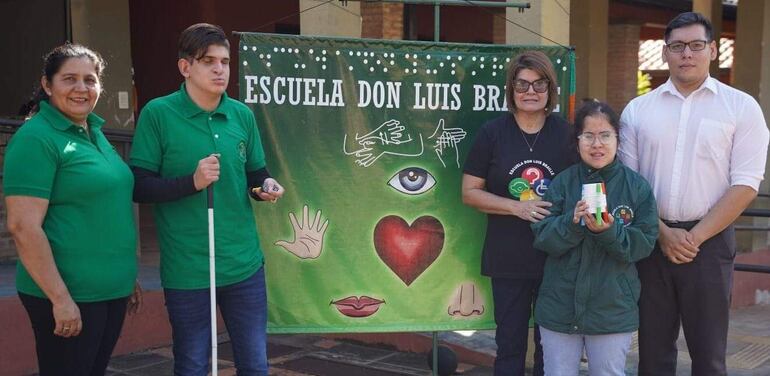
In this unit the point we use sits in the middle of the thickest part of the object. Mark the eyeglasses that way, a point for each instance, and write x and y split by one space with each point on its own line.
605 138
695 45
522 86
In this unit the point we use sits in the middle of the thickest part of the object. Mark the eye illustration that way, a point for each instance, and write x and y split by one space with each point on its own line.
412 181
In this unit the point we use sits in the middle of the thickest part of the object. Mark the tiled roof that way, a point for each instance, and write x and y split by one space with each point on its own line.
650 51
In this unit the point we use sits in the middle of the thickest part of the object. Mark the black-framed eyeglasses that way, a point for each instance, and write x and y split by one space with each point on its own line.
605 138
695 45
522 86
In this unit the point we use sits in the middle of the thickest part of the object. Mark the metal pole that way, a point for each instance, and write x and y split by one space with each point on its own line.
436 22
435 353
212 280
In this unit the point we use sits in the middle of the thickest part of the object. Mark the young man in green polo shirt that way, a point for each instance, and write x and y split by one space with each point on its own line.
184 142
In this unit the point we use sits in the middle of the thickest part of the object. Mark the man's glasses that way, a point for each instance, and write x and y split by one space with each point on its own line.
605 138
695 45
522 86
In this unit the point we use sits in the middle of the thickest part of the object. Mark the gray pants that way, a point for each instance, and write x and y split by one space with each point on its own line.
696 296
606 353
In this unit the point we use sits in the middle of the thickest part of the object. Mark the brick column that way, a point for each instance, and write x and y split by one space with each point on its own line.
382 20
623 64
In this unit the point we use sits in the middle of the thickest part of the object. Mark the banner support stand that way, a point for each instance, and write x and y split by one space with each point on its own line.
435 353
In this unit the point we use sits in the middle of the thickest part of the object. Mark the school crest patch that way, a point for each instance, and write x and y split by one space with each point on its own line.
623 214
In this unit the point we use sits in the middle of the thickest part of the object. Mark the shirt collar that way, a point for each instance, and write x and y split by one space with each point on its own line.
57 119
709 84
190 109
603 174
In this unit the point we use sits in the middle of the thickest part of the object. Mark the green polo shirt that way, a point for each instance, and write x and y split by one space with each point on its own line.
172 135
90 218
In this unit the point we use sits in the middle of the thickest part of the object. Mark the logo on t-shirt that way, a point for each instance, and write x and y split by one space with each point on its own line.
70 147
623 214
242 151
531 179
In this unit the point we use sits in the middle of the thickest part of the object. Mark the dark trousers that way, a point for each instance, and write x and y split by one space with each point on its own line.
696 296
84 355
514 300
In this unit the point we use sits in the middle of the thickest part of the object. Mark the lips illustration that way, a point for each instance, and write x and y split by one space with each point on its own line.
353 306
408 250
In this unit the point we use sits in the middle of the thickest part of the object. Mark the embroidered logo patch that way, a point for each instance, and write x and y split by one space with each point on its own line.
624 214
71 147
242 151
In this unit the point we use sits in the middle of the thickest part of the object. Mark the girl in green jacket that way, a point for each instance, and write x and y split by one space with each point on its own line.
588 298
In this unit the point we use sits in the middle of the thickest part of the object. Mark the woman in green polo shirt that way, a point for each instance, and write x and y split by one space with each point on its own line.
68 196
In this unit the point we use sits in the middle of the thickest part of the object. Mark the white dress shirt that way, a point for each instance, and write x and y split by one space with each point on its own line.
691 150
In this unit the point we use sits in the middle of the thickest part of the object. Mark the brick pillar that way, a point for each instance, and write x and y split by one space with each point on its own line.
623 58
382 20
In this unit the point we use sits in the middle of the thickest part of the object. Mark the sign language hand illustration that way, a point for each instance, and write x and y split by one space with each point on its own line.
447 138
383 140
308 236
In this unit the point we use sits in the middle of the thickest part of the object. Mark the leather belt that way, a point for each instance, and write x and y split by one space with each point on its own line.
688 225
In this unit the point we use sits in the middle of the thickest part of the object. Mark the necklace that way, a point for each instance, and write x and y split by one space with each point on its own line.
532 146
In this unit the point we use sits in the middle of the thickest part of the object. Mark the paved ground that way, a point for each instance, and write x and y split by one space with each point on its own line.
299 355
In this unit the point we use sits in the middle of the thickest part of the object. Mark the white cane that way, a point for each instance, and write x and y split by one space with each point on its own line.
212 281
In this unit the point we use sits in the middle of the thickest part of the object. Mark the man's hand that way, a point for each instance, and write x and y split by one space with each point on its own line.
678 245
270 190
207 172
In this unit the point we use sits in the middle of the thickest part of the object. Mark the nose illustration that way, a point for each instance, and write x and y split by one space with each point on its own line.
466 302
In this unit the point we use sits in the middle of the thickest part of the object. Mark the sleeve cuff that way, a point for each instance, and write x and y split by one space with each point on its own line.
608 236
752 183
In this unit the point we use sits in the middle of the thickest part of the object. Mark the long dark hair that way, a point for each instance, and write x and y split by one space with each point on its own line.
52 63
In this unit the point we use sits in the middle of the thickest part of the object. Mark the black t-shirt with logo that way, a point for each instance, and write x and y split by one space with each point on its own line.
501 155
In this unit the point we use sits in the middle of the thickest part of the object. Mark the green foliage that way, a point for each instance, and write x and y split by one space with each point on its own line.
643 83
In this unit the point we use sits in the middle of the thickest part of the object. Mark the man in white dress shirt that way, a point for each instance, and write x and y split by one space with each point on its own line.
702 146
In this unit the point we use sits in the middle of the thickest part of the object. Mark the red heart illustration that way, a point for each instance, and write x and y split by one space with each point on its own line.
408 250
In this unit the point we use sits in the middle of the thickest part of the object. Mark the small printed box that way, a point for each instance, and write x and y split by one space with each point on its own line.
595 195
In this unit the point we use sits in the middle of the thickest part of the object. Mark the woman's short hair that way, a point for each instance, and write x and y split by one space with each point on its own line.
540 64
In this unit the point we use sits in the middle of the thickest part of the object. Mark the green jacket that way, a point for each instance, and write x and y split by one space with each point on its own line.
590 285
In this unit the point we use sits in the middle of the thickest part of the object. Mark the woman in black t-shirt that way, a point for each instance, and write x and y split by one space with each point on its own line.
512 162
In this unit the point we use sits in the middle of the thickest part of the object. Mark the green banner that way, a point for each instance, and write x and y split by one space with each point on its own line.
369 138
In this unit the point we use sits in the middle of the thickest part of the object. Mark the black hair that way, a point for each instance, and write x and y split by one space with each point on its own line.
593 107
196 39
52 63
689 18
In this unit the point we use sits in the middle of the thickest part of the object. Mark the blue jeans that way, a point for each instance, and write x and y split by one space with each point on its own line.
606 353
243 306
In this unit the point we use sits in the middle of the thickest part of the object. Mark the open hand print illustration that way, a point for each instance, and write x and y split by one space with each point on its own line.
308 236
